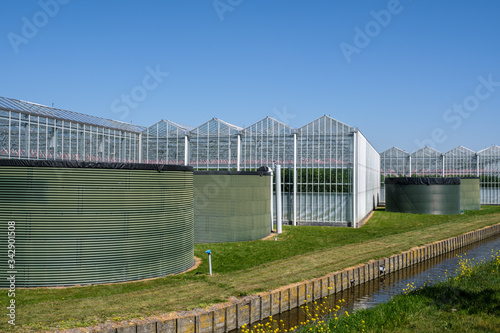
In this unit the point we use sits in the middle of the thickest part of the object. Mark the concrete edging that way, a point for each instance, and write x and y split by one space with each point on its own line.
247 310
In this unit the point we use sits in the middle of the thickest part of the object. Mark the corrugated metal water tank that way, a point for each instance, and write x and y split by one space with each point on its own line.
423 195
470 194
89 223
231 206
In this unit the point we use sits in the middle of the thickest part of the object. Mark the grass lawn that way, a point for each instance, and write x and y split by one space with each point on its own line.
239 269
468 302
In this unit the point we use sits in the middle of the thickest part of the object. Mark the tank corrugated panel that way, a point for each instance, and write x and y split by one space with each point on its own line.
427 198
89 225
470 194
230 207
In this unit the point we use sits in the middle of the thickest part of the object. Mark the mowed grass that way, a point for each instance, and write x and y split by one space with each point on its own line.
240 268
467 302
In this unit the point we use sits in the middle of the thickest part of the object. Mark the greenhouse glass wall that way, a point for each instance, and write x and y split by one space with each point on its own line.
325 171
426 162
329 171
458 162
165 142
214 145
32 131
489 171
394 162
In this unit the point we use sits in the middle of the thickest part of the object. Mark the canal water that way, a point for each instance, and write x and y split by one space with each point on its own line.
384 288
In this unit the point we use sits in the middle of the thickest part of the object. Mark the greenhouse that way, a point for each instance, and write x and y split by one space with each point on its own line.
329 170
330 173
458 162
33 131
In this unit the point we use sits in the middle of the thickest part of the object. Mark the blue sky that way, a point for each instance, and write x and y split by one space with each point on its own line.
407 73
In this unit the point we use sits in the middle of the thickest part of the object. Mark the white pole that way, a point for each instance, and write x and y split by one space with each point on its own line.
442 172
278 199
139 157
186 150
295 179
477 166
409 159
238 153
272 200
355 181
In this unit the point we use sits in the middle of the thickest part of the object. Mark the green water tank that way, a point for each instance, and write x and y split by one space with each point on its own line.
470 194
423 195
82 223
231 206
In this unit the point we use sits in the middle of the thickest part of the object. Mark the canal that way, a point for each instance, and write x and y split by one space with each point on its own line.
382 289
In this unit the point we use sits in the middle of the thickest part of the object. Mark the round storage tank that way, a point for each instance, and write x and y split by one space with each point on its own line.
470 193
423 195
88 223
231 206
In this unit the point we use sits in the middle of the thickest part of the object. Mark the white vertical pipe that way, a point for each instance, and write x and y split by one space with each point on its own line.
442 172
355 181
10 130
272 200
139 157
477 165
238 154
158 143
209 261
28 141
19 137
278 199
186 150
409 158
38 138
294 179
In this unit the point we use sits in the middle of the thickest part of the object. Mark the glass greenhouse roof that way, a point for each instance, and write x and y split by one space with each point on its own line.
426 152
216 126
170 126
326 125
394 152
269 126
491 151
460 151
10 104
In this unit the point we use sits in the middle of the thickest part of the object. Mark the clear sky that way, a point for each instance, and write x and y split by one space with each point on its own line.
407 73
